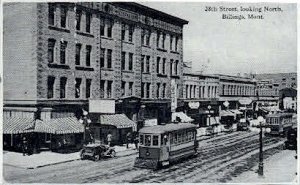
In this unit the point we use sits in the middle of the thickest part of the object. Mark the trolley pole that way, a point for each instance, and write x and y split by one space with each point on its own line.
261 163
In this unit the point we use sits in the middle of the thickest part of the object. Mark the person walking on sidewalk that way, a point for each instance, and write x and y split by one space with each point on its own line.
128 139
109 139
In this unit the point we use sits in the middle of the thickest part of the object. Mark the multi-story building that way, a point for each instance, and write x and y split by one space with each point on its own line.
280 80
57 56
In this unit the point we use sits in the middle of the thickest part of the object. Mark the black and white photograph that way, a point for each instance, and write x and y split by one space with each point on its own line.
149 92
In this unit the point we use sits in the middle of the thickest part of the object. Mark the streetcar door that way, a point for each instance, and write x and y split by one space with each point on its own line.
165 147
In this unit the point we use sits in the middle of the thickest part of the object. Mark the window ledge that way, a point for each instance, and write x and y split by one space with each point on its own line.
127 42
175 76
162 75
107 69
108 38
60 66
146 46
84 33
84 68
161 49
146 73
58 28
176 52
127 71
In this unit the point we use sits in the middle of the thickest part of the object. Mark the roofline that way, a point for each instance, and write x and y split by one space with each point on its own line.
152 10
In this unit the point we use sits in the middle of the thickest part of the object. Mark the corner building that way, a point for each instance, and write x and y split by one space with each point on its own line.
57 56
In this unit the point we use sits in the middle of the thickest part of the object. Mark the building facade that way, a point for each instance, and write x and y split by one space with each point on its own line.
57 56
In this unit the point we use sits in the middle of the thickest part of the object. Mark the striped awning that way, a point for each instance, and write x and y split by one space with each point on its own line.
17 125
66 125
117 120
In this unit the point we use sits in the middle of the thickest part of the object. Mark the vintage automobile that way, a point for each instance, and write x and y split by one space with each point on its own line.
243 125
291 142
96 151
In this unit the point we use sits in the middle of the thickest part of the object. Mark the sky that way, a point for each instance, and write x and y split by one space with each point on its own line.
231 46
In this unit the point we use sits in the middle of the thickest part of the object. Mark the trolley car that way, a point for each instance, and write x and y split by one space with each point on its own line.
162 144
279 123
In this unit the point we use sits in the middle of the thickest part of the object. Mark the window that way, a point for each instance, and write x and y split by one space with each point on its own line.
50 86
123 60
157 39
77 87
102 27
123 32
109 52
155 141
164 66
171 42
158 90
171 67
51 45
157 64
176 43
147 140
88 22
130 88
51 14
88 88
148 90
163 40
63 46
143 63
176 67
148 64
130 64
109 89
130 33
63 16
141 139
109 28
146 37
142 90
102 90
123 84
102 54
78 19
77 54
88 55
164 91
63 82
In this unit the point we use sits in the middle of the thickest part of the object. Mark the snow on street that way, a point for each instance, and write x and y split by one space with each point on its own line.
221 158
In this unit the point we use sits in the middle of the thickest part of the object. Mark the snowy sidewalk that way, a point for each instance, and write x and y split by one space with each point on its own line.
279 168
47 158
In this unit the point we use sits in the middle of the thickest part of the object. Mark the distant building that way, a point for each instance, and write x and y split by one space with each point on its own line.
279 80
288 99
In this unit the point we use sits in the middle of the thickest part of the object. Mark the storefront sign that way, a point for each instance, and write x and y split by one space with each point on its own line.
150 122
226 103
102 106
194 105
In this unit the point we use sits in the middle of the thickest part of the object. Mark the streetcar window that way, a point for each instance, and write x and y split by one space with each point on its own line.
147 140
141 139
155 141
186 136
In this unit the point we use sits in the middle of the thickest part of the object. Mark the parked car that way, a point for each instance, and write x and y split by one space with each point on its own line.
291 142
243 125
97 151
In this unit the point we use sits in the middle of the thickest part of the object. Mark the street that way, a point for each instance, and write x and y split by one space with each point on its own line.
220 159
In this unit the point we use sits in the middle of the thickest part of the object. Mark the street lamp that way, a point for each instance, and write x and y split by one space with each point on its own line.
260 164
86 123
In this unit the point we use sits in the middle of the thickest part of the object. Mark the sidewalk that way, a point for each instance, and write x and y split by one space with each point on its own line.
279 168
51 158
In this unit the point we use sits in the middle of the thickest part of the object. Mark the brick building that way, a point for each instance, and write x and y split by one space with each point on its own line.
57 56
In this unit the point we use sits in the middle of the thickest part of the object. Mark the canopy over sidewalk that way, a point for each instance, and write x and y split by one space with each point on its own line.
118 120
184 118
226 113
66 125
17 125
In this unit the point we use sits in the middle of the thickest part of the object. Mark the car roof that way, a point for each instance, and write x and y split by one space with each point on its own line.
159 129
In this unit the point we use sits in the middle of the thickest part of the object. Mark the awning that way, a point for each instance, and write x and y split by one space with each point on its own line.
17 125
236 111
66 125
226 113
184 118
270 109
213 121
117 120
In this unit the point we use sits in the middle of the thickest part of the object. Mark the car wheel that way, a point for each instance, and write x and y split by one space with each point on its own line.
113 153
97 157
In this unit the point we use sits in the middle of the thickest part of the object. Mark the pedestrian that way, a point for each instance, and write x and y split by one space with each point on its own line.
109 139
128 139
24 146
136 141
